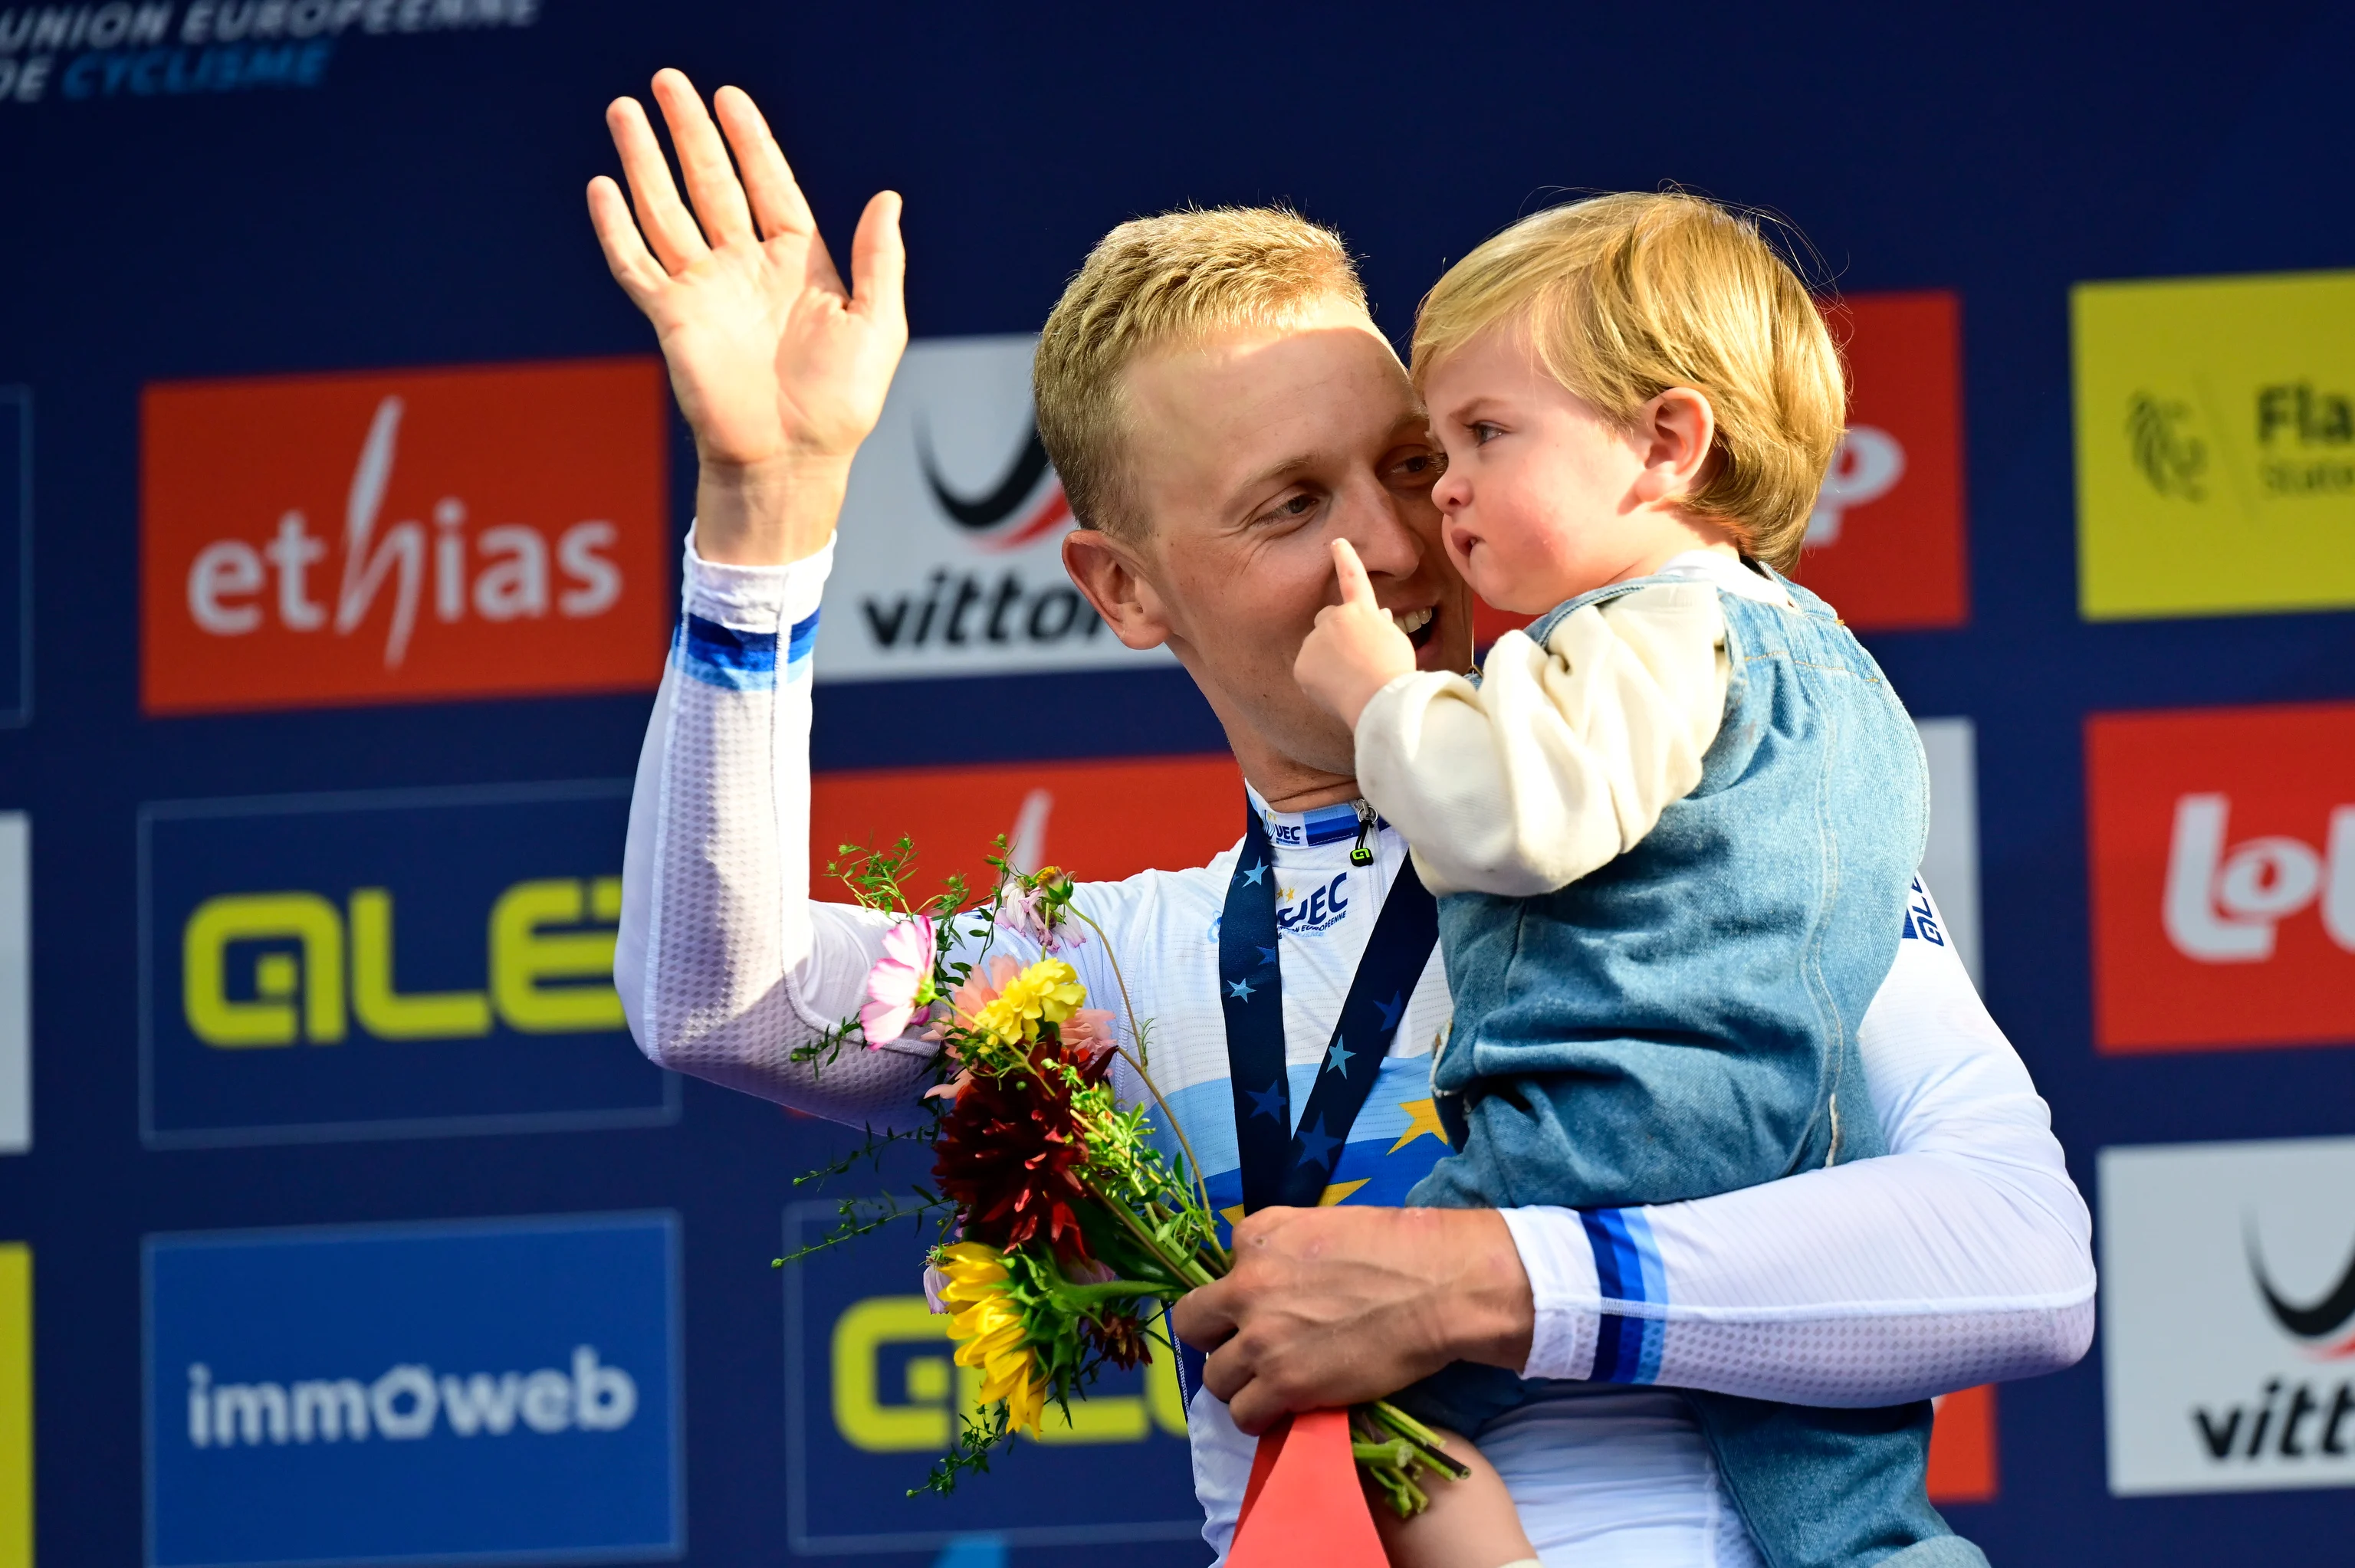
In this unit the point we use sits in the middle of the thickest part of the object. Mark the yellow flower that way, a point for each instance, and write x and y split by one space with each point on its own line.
990 1333
1049 991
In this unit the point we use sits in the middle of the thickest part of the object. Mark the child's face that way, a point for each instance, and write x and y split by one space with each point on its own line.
1543 497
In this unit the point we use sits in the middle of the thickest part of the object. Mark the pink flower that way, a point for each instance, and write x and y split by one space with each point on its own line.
1027 912
1089 1031
935 1282
900 983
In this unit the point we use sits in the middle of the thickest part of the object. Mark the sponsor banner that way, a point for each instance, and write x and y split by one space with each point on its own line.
1950 860
1962 1448
2215 445
1886 543
16 556
2228 1314
949 560
483 531
475 1391
402 964
15 982
141 48
872 1400
15 1405
1099 820
2222 844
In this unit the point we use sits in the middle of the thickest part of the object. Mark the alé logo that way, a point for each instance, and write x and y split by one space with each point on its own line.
2223 877
949 558
494 530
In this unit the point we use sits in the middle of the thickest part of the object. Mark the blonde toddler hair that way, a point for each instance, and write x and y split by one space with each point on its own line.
1624 296
1158 282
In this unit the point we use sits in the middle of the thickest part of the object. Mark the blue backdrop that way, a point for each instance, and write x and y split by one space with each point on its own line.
420 203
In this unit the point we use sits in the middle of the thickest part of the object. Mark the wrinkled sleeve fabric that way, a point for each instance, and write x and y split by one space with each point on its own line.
1962 1257
1562 756
726 968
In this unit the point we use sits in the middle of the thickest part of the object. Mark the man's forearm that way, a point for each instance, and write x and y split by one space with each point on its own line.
767 514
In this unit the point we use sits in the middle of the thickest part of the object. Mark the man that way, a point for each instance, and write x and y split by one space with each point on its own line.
1221 409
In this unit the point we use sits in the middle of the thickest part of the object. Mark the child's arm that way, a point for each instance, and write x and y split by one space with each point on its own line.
1560 760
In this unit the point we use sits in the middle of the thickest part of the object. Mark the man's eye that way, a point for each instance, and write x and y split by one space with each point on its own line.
1290 509
1421 466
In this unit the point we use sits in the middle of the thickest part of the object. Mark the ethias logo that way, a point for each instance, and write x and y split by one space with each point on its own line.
2223 877
479 532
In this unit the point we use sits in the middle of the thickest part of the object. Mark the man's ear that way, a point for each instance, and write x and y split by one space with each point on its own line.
1678 431
1107 572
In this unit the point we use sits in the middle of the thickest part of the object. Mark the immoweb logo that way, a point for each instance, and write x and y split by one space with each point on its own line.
410 1403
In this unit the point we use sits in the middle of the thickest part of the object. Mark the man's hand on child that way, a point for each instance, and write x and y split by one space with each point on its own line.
1355 649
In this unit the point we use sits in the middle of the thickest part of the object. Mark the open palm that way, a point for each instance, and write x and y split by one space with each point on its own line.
772 358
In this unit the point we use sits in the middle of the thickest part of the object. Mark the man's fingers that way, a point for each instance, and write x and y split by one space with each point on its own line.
669 231
778 204
1203 1318
703 159
878 261
1356 589
635 267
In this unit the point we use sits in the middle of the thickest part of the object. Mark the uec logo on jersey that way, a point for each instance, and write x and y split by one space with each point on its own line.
318 966
472 1392
2224 872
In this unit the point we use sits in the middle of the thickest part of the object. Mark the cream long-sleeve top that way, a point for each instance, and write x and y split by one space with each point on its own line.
1563 756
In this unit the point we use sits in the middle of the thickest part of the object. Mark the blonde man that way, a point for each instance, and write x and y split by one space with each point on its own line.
1675 825
1239 454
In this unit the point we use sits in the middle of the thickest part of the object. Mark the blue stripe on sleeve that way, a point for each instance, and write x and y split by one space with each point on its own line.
1626 1268
799 643
722 656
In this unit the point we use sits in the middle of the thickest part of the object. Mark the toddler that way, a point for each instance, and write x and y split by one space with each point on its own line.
1672 825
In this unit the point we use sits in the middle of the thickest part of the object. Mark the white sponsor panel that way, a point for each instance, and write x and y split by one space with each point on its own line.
1950 861
2228 1314
949 560
15 982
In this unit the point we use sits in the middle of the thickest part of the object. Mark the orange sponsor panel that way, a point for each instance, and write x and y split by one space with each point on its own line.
2222 844
480 531
1962 1448
1100 821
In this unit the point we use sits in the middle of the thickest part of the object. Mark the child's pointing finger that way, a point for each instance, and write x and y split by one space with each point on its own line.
1356 589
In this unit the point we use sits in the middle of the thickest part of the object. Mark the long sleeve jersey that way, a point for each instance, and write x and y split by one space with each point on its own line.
1961 1257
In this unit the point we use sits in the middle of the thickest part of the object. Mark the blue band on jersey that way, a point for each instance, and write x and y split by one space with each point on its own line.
1626 1269
723 656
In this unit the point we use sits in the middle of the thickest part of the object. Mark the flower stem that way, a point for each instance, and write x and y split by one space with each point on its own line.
1186 1269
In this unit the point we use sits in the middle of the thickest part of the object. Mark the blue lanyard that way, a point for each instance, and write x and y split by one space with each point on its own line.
1280 1163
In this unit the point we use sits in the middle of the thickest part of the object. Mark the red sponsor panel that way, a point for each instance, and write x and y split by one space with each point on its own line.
1885 544
2223 877
311 541
1962 1448
1099 820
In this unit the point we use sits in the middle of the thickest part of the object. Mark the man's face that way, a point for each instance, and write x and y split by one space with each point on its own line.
1249 455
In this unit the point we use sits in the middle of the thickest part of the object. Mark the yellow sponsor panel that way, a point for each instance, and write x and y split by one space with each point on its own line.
2215 445
15 1405
911 1413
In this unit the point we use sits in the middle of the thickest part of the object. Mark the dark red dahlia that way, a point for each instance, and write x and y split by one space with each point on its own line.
1009 1154
1122 1339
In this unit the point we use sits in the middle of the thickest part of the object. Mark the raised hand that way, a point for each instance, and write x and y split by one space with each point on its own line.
780 369
1354 649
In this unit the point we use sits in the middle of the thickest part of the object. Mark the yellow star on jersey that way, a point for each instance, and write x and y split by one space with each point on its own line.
1423 1117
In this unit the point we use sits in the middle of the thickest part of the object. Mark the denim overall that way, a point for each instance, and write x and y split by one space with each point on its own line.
1682 1022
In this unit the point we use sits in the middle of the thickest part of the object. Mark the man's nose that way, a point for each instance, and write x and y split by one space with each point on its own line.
1368 518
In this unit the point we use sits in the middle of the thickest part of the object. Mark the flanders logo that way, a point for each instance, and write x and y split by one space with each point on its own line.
2215 445
407 963
483 1390
476 532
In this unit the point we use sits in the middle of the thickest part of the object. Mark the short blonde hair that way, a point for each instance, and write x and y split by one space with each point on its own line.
1153 282
1624 296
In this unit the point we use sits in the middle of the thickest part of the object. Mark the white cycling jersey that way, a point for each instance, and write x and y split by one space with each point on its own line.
1960 1257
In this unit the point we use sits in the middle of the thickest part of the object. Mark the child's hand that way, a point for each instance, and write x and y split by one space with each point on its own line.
1355 649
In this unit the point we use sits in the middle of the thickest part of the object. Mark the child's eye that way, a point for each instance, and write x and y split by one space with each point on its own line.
1483 432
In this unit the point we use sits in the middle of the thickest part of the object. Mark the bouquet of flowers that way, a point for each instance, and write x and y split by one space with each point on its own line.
1064 1228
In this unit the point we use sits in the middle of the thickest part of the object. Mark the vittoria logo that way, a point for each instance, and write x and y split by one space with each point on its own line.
2223 877
2215 444
949 560
495 531
2228 1314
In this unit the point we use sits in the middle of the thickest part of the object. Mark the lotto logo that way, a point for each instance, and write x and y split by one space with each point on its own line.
2223 877
474 532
